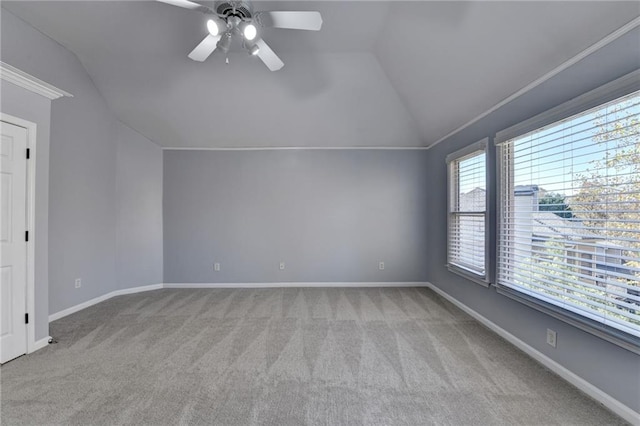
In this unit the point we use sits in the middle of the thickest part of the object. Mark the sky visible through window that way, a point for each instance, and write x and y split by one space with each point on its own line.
473 173
559 156
573 234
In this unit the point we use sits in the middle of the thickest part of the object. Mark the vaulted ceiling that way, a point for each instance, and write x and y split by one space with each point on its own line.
377 74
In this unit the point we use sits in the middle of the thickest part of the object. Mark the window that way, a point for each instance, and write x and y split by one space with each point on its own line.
569 205
468 211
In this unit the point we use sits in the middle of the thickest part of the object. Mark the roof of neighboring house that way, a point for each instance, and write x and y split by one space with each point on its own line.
473 200
525 189
551 225
602 243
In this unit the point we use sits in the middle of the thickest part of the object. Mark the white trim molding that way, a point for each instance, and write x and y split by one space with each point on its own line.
42 343
574 60
594 392
32 344
351 284
73 309
615 89
96 300
31 83
300 148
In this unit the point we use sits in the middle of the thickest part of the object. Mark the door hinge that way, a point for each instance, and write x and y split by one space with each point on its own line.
26 235
26 318
28 153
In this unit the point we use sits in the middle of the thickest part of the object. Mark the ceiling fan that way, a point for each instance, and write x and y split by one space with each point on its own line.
236 19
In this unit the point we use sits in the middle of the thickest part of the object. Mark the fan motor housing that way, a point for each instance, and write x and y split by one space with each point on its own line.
241 9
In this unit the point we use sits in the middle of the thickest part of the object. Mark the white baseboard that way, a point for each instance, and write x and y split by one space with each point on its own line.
72 310
63 313
136 290
296 284
594 392
96 300
39 344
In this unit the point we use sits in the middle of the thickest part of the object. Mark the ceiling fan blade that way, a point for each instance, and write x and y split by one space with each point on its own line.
186 4
205 48
268 56
293 20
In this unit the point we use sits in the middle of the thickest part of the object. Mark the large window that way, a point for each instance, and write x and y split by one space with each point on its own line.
467 211
569 205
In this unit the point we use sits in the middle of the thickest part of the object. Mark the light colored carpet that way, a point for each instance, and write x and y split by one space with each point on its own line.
284 357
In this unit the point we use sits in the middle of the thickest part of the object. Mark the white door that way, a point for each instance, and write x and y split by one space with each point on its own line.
13 246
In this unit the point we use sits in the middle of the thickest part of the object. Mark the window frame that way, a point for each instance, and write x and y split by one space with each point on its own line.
482 146
616 89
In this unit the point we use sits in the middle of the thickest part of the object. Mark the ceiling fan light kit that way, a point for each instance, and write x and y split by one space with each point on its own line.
250 31
254 50
215 26
224 43
236 19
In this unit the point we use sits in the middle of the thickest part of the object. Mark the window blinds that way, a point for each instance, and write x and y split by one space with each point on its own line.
569 225
467 212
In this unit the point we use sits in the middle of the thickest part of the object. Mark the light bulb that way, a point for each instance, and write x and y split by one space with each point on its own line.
212 27
254 50
250 32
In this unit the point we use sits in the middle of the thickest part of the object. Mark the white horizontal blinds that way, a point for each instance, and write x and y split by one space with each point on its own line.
467 212
570 214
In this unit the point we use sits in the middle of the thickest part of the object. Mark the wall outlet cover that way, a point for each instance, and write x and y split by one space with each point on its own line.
551 337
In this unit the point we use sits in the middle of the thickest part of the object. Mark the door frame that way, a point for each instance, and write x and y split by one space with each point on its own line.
31 221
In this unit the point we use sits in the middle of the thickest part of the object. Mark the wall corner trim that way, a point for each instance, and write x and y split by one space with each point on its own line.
594 392
31 83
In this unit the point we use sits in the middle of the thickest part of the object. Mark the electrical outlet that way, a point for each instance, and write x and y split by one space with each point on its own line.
281 266
381 266
551 337
216 267
78 282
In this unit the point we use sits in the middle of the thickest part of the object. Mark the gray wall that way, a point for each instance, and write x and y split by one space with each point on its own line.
605 365
139 215
82 168
84 215
21 103
330 215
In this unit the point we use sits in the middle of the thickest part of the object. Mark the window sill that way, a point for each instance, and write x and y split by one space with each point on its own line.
478 279
609 334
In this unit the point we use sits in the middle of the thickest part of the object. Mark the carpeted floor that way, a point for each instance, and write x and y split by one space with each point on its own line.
284 357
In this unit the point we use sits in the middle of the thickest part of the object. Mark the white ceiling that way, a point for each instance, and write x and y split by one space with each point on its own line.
378 74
